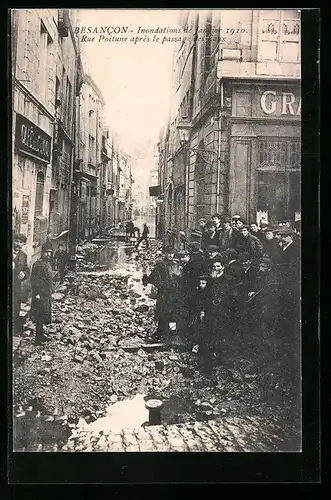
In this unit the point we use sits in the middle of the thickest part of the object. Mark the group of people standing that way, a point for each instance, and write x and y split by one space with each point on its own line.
39 281
237 278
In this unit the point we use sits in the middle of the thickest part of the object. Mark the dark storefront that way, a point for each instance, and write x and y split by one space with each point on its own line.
265 149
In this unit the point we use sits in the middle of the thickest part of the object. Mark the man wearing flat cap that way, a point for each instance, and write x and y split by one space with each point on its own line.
250 244
21 273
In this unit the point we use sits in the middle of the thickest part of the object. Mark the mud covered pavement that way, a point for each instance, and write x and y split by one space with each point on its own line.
101 354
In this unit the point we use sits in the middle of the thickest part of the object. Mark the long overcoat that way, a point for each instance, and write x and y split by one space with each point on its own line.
19 264
41 284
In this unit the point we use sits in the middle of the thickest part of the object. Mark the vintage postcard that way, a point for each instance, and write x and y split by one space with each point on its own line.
156 245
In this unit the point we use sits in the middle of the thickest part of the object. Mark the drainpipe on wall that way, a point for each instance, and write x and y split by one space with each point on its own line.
219 151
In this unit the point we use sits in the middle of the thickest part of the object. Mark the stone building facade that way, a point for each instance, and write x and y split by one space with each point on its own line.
88 157
237 85
34 50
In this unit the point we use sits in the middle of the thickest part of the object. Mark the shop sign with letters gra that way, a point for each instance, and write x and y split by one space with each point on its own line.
280 103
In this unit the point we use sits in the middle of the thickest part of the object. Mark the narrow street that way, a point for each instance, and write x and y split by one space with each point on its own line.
85 389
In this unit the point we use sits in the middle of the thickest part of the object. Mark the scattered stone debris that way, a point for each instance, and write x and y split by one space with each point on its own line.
101 351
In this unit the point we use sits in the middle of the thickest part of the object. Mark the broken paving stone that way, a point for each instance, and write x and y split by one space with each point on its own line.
97 357
78 359
57 296
45 357
113 398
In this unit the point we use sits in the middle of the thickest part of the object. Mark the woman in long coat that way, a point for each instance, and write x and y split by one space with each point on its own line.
41 285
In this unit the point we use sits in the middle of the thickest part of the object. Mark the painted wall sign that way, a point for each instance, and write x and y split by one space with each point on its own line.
25 209
31 140
275 103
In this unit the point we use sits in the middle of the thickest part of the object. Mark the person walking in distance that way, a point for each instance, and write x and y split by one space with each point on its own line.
61 261
41 285
20 273
144 236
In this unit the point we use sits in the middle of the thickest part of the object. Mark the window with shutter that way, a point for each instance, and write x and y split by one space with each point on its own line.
279 36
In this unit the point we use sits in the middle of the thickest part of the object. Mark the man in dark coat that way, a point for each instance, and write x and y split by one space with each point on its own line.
289 271
220 309
21 273
166 277
144 236
129 230
61 261
48 245
210 236
41 285
255 231
250 244
230 236
198 264
270 246
217 219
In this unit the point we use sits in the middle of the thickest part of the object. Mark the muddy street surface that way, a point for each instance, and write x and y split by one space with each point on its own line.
85 389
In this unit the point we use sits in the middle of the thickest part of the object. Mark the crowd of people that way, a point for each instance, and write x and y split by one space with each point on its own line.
236 279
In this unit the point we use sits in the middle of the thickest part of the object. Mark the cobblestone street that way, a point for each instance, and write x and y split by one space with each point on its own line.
100 354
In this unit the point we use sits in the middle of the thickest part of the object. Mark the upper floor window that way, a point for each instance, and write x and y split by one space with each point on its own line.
279 36
45 51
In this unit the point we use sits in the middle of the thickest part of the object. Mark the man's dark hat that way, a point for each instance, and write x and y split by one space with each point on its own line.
244 227
203 277
212 248
194 246
210 223
20 237
286 231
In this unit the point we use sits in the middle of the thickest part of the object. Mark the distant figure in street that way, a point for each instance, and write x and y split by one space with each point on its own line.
136 232
61 261
129 230
41 284
20 272
48 245
144 236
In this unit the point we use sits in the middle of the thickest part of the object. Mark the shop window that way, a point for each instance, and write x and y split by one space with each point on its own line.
278 178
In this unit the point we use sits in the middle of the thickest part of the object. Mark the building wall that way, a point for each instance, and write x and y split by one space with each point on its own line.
64 137
90 139
227 119
34 72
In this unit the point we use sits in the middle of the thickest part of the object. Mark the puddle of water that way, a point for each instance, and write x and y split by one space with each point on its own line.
112 255
123 415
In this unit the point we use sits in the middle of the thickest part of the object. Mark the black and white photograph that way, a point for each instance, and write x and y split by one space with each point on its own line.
156 230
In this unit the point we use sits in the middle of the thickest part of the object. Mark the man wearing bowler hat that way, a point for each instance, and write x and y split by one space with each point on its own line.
21 273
